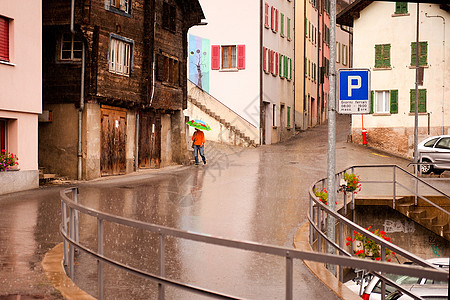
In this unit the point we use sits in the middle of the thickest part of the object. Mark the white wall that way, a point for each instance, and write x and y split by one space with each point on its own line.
234 22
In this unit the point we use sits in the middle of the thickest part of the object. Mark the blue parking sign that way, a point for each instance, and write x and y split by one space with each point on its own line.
354 91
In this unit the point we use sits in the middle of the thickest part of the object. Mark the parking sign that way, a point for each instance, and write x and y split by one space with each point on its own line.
354 91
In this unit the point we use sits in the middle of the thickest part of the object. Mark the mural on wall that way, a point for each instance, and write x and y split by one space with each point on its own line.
199 57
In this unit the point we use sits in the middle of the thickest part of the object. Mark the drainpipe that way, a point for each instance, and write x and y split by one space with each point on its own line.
293 84
154 55
80 111
261 103
443 68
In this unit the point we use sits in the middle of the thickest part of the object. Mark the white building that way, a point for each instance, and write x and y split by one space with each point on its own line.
251 62
21 90
384 40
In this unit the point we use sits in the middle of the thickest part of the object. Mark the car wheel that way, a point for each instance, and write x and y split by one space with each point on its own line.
426 169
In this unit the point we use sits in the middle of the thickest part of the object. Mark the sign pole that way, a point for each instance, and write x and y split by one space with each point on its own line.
331 172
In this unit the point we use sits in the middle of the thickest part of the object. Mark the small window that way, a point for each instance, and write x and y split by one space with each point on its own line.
282 25
229 57
4 39
422 100
119 5
71 47
266 15
120 56
274 113
401 8
383 56
2 134
344 55
382 102
168 70
169 17
422 53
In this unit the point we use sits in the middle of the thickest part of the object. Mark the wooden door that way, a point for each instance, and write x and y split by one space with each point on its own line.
149 139
114 126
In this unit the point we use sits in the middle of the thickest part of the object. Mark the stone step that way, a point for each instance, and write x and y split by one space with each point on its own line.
429 221
418 214
440 228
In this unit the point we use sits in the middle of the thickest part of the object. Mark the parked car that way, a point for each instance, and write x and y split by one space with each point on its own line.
428 292
373 289
436 150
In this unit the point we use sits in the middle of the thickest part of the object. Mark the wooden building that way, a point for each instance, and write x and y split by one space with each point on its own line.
114 85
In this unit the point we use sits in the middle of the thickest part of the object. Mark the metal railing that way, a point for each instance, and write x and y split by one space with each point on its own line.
319 212
69 230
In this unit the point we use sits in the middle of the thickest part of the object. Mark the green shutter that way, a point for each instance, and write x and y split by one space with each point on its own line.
387 55
423 46
290 69
412 100
282 25
371 102
306 68
378 56
288 28
394 101
401 7
413 53
280 59
306 26
422 100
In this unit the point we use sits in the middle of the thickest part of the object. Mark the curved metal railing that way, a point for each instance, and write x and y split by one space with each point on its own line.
70 229
319 212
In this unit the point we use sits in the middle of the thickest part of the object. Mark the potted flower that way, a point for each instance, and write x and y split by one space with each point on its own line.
322 195
365 247
353 183
7 160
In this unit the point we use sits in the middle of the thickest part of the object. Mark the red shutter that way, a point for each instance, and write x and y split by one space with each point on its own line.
241 57
272 17
4 39
276 21
215 57
276 64
264 59
266 14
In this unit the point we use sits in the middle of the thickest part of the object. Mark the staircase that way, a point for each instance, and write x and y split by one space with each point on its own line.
227 126
426 214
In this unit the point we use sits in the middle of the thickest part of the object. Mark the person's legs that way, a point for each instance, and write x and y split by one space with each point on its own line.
202 154
196 148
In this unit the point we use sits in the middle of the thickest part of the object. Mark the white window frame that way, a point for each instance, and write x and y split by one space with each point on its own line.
120 58
230 65
72 50
382 102
120 5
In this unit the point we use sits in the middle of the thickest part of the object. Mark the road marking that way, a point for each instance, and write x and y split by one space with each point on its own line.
379 155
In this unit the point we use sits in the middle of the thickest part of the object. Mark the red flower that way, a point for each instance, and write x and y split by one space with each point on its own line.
377 258
349 238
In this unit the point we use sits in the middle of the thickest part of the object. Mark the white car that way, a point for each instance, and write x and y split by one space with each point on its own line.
428 292
435 150
373 289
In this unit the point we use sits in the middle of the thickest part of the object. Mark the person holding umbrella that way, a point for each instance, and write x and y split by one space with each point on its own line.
199 138
199 145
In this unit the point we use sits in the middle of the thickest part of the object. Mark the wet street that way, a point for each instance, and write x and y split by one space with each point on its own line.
256 194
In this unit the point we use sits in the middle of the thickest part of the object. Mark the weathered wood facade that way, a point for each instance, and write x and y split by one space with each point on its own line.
134 74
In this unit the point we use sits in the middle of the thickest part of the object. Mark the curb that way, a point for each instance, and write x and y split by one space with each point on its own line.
54 270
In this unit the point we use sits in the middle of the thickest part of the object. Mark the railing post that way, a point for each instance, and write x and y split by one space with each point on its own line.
71 247
162 268
76 223
394 188
64 229
99 262
311 214
289 277
319 225
341 243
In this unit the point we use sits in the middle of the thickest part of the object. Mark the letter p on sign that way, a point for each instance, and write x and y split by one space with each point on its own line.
354 82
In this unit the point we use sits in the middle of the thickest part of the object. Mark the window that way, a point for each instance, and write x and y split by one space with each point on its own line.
120 55
228 57
306 27
382 102
422 100
274 113
422 53
169 17
265 59
383 56
282 25
444 143
338 52
274 19
119 5
344 55
288 117
401 8
4 39
71 47
168 69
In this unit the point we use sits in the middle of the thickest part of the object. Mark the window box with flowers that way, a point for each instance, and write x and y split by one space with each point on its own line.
364 247
353 184
8 160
